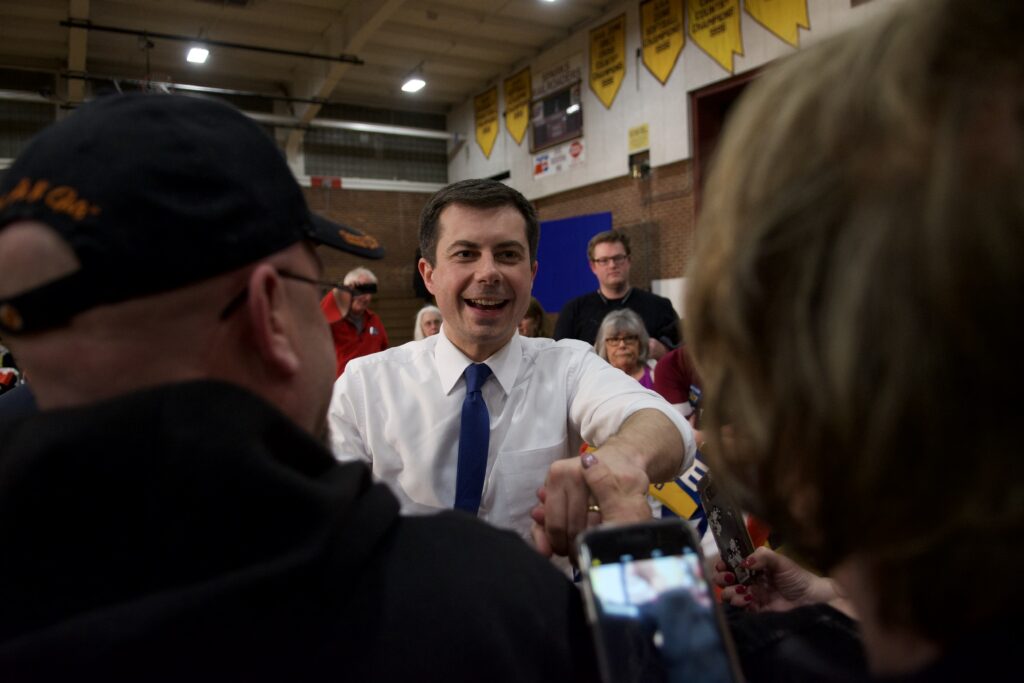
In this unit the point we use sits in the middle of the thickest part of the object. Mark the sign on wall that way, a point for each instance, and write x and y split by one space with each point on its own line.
557 77
639 138
558 159
517 104
781 17
608 59
485 108
715 28
662 36
556 118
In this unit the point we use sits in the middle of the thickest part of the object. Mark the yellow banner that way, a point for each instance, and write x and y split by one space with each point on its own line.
608 59
661 30
781 17
517 104
715 27
485 105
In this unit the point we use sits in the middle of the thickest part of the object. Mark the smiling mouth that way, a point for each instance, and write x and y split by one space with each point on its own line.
487 304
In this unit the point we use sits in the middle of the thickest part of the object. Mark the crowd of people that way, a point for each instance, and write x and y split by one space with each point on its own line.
207 488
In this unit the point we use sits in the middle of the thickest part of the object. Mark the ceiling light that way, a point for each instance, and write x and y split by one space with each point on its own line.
573 108
414 82
198 55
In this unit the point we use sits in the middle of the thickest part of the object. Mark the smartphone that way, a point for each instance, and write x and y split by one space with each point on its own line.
651 607
725 520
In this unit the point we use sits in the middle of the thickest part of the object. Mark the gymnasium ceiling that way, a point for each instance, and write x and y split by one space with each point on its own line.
460 45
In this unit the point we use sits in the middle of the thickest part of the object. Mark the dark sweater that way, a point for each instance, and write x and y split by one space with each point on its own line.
581 317
192 532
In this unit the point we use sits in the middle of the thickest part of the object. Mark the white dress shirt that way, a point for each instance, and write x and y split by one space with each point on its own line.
399 410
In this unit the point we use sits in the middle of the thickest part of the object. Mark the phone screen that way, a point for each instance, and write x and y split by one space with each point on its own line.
655 617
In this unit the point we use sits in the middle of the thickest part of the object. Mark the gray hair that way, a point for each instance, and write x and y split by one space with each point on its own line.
417 332
359 273
623 320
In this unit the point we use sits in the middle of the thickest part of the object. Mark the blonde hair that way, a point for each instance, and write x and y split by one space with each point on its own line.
860 253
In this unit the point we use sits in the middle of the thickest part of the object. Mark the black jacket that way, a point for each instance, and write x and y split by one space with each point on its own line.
192 532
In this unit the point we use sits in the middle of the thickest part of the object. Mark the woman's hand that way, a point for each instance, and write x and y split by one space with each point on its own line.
782 584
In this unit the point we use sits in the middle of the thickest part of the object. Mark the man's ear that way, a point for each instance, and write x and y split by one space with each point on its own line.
427 273
593 266
533 270
272 322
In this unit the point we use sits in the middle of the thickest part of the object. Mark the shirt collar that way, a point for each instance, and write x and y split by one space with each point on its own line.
451 362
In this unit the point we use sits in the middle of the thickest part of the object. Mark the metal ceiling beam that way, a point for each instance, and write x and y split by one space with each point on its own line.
88 25
186 87
78 41
384 129
364 19
276 120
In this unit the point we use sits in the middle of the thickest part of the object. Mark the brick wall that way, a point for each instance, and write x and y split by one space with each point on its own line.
391 217
656 213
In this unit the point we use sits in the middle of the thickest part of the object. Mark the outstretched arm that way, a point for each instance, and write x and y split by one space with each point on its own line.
648 447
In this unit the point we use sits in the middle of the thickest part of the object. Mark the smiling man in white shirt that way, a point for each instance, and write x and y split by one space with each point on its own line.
401 410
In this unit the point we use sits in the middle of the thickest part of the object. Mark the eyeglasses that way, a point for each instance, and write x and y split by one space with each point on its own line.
607 260
618 341
323 285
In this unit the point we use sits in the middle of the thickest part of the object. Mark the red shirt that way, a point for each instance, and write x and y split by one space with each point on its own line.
349 343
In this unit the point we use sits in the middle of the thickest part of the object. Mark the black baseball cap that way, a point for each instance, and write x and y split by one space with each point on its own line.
155 192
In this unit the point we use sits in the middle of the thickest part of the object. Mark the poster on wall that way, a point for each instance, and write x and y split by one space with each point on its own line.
559 159
784 18
608 59
517 104
639 138
715 28
662 36
485 109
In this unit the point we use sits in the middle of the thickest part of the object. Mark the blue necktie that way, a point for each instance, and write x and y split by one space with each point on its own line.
474 436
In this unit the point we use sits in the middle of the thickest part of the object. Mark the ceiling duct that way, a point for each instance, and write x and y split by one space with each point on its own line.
227 3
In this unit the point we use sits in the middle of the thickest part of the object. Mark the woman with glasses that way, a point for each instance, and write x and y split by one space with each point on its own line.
622 340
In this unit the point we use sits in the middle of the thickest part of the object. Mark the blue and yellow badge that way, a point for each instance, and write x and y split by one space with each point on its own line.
679 497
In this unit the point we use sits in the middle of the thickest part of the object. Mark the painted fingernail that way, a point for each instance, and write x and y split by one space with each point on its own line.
748 598
589 460
729 577
748 562
741 590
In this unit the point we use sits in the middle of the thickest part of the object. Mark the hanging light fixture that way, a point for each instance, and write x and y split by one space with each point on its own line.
197 55
414 82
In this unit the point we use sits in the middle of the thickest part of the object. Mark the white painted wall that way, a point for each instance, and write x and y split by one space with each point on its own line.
641 99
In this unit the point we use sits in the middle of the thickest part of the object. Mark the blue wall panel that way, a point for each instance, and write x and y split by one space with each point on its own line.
564 272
